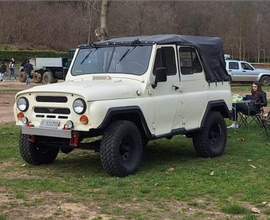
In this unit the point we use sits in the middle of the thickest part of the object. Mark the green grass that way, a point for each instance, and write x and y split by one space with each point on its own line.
234 209
188 192
79 177
3 217
7 90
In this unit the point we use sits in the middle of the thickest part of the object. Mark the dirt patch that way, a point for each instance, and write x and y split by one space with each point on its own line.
6 107
48 205
8 90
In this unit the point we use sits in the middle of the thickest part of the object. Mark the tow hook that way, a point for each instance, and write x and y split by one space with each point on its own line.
74 141
31 138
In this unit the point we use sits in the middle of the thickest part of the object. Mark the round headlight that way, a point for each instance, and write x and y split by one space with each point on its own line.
79 106
22 104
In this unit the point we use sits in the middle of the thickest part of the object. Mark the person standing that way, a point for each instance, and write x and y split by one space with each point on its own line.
28 67
3 70
11 69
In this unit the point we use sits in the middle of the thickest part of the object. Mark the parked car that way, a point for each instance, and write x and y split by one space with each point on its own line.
129 91
241 71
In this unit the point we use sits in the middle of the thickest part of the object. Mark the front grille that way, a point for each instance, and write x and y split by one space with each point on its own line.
64 111
60 99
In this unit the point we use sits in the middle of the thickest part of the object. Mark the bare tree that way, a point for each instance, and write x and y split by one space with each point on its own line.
102 31
243 26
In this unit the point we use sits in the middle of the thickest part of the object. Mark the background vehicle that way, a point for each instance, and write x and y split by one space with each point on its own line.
48 70
129 91
241 71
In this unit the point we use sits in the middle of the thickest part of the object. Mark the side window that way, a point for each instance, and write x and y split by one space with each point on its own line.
165 57
189 61
233 65
246 66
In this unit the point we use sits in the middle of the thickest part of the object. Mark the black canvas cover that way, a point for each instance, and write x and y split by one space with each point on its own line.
209 48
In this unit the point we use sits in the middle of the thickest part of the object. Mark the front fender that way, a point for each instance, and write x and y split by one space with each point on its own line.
261 75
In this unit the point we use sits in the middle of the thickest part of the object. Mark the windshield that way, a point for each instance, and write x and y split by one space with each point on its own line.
127 59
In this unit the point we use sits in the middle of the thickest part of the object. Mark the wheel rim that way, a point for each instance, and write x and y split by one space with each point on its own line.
126 149
45 79
265 81
214 135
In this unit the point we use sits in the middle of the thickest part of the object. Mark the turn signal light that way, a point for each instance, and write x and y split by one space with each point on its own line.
20 115
84 119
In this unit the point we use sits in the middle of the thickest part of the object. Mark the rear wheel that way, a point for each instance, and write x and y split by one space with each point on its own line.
34 154
22 76
265 81
211 140
121 148
48 77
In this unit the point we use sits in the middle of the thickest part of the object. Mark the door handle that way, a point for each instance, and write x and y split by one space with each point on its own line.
230 70
244 71
175 87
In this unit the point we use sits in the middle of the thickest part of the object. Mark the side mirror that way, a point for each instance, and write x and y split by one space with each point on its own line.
161 76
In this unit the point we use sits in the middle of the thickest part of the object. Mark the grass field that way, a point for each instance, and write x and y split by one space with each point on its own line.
172 182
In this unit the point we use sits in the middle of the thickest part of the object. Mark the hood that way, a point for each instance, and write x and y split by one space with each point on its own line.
92 89
263 71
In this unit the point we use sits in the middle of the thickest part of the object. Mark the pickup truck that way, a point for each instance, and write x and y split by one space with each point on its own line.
241 71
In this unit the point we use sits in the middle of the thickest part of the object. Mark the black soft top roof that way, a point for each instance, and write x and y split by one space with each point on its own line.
209 48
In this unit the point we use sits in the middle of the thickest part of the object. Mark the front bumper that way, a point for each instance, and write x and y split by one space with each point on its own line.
47 132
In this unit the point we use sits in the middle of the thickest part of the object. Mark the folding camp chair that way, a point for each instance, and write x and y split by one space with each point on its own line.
247 119
265 125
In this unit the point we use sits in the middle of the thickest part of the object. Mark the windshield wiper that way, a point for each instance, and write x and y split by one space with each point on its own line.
128 51
88 55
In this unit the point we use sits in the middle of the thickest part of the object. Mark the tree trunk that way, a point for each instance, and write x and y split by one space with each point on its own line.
103 19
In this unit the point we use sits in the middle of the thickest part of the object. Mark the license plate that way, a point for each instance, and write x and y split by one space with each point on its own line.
49 124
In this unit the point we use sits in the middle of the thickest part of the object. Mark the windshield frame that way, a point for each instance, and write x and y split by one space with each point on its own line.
128 50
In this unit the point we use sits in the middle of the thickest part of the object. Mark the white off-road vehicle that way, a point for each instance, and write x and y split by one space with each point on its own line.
127 91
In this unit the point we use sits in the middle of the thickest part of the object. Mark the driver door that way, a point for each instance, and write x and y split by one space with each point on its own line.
249 72
166 96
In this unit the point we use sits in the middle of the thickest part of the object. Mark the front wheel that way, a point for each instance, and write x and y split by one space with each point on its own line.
265 81
22 77
121 148
211 140
34 154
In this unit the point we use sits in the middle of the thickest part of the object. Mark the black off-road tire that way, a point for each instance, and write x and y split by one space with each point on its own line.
22 77
265 81
37 78
121 148
211 140
34 154
48 77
